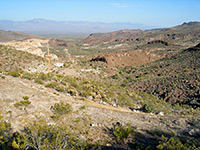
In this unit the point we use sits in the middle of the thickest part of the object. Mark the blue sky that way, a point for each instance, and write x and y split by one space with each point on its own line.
162 13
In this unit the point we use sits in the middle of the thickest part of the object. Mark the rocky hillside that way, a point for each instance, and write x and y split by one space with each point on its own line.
104 38
122 59
175 79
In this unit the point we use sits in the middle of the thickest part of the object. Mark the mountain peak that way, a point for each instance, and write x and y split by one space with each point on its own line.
191 23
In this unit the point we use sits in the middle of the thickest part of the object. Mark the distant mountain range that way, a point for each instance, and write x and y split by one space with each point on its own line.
43 26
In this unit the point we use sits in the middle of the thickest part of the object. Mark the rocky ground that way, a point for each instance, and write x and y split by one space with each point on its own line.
42 98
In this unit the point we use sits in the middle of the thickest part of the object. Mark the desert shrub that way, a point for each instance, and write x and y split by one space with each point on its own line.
14 73
61 108
52 85
5 131
60 88
149 108
40 135
3 77
19 141
43 76
37 80
116 76
28 76
82 107
23 103
25 97
174 144
85 93
72 92
123 134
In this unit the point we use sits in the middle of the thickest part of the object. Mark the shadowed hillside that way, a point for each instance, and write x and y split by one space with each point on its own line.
175 79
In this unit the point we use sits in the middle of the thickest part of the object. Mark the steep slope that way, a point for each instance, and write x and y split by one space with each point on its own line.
175 79
6 36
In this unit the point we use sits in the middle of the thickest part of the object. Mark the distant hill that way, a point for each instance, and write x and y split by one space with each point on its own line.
185 34
6 36
42 26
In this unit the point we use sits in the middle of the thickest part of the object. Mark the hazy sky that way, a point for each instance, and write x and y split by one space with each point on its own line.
149 12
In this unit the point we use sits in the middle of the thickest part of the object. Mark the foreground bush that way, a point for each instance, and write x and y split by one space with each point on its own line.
38 135
174 144
5 134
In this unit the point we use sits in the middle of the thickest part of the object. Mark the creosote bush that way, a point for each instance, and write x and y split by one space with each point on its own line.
149 108
61 109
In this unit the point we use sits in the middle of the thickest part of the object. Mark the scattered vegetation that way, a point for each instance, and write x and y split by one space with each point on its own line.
174 79
23 104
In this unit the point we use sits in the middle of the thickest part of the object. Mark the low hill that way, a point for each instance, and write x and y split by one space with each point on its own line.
175 79
6 36
102 38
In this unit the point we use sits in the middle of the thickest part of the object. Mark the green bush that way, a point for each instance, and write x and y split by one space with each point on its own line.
23 103
28 76
14 74
41 136
60 88
25 97
61 108
72 92
116 76
149 108
5 130
174 144
37 80
43 76
82 107
52 85
123 133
